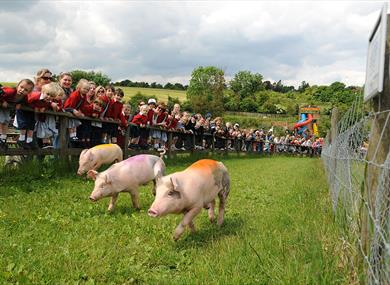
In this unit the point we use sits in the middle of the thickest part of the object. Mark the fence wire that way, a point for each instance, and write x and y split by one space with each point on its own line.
365 217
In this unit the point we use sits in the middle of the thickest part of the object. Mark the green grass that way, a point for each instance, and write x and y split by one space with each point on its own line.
278 229
11 84
161 94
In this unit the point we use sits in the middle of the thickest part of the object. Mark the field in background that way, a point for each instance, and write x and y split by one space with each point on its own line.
11 84
161 94
278 229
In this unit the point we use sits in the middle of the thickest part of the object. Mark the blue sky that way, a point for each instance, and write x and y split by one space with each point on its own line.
316 41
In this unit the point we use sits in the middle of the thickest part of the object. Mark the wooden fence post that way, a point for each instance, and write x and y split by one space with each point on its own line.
169 144
378 146
63 136
126 143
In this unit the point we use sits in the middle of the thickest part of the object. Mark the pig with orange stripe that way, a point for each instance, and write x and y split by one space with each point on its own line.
189 191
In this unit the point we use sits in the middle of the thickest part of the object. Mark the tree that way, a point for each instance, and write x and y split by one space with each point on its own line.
205 92
303 86
171 102
168 86
246 84
97 77
137 98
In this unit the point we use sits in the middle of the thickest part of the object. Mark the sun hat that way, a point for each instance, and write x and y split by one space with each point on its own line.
152 101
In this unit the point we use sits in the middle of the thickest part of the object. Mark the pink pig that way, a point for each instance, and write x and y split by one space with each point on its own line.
95 157
126 176
189 191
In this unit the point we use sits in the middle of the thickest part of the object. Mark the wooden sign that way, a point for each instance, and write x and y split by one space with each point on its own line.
376 57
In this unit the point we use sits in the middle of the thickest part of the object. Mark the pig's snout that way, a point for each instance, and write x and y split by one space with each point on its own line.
92 199
152 213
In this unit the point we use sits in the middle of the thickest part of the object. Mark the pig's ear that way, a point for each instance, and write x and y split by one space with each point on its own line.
175 183
83 152
92 174
108 179
158 175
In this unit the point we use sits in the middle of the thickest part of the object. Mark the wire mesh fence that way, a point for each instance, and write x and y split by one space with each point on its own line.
358 171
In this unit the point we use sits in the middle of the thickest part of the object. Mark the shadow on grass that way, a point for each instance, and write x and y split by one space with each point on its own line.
32 174
231 226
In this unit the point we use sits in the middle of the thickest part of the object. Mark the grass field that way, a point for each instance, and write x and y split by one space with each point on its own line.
278 229
161 94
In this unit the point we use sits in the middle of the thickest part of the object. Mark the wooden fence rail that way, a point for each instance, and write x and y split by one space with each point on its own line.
65 150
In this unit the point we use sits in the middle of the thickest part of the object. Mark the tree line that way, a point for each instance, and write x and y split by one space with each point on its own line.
209 91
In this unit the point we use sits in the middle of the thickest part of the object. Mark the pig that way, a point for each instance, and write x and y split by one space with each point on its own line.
126 176
95 157
189 191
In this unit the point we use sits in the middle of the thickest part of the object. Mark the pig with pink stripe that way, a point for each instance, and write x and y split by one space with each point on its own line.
126 176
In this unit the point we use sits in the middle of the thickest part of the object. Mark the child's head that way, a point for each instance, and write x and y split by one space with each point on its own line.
83 86
152 103
110 91
144 109
24 87
53 91
161 107
126 109
65 80
218 121
98 104
118 96
176 108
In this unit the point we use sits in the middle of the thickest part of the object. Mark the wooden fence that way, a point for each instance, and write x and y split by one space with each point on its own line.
65 150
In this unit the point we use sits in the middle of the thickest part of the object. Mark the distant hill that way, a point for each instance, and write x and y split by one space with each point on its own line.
161 94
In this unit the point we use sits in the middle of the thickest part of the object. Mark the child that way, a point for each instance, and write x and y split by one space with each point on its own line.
141 120
107 98
77 105
159 119
49 97
96 127
126 118
114 113
66 84
12 95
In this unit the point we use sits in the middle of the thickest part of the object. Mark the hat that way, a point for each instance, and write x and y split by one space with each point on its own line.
208 115
236 125
152 101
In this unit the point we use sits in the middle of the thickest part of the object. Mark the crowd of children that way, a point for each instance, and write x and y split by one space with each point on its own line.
149 123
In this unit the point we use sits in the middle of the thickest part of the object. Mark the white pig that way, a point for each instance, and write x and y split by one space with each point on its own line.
95 157
189 191
126 176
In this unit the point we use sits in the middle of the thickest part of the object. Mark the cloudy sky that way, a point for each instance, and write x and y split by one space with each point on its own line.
316 41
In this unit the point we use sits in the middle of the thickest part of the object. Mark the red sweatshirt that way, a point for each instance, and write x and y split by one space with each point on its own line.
9 94
34 101
140 119
172 122
106 107
114 110
75 101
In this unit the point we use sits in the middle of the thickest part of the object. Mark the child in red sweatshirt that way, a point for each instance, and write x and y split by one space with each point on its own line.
13 95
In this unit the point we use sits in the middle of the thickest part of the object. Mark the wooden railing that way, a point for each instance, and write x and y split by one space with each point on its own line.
65 150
